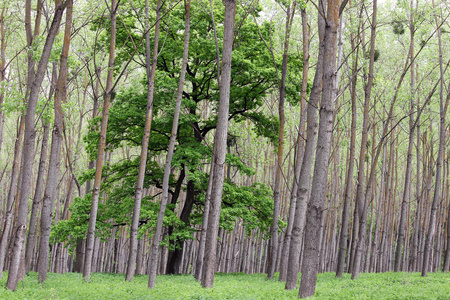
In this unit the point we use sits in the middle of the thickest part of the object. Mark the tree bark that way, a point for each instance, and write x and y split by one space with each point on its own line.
173 136
307 162
219 151
28 145
406 190
299 150
151 71
349 176
55 151
319 182
439 160
279 162
101 147
11 195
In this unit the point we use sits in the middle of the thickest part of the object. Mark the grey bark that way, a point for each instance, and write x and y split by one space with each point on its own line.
101 147
11 196
28 148
439 161
219 151
349 176
407 188
151 71
173 135
279 163
307 162
299 151
319 183
31 239
55 152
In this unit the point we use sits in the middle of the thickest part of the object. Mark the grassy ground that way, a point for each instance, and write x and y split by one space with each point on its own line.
230 286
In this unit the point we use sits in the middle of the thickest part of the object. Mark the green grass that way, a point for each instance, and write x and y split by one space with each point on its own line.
229 286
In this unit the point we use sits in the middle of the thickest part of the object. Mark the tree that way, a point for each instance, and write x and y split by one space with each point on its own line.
439 160
28 144
101 145
279 163
307 162
55 151
318 188
165 192
219 152
151 70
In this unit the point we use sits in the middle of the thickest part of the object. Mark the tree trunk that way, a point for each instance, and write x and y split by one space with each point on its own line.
279 163
167 167
11 195
406 190
308 158
439 160
299 151
28 146
219 151
55 151
151 71
101 148
319 182
349 176
31 239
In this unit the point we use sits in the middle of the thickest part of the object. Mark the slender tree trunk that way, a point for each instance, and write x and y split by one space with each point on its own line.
219 151
55 151
300 150
361 197
11 195
101 147
406 190
28 149
2 71
151 71
204 227
349 177
319 183
279 163
31 239
165 192
446 264
439 161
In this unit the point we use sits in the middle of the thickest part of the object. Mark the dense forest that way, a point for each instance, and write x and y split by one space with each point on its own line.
179 137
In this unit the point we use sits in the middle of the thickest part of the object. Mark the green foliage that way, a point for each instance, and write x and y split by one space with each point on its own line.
251 204
229 286
398 27
253 75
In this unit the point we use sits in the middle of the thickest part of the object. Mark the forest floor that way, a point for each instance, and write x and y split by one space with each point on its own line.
229 286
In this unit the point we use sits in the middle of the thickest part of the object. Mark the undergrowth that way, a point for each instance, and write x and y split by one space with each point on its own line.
229 286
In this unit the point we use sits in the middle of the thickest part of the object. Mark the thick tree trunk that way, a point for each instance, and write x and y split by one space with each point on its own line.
28 148
101 147
319 182
151 71
219 151
308 157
